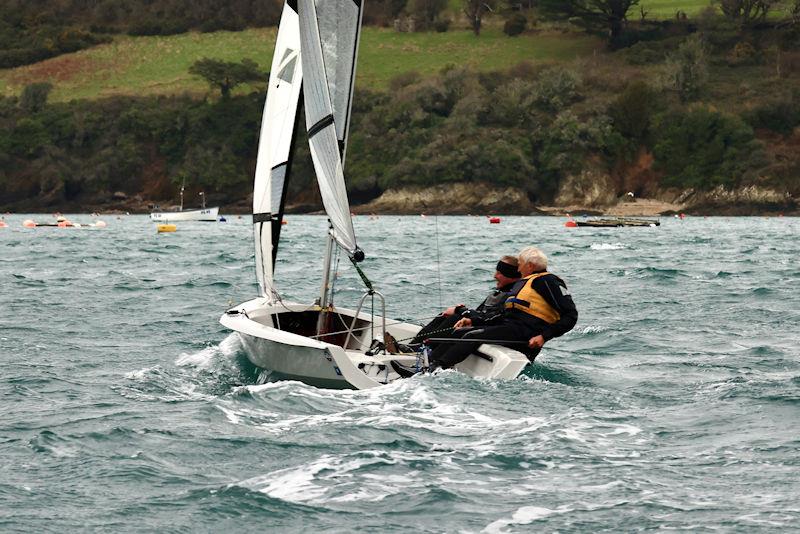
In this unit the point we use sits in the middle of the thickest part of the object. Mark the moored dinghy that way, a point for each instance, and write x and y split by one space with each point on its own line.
322 344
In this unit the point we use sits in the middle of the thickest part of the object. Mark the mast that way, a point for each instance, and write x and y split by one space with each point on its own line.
324 302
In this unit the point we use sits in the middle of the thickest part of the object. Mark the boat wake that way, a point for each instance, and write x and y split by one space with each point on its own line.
214 356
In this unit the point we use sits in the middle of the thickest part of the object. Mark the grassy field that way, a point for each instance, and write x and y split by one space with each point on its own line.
664 9
657 9
159 65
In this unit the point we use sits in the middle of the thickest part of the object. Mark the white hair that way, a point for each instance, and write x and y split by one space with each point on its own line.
534 257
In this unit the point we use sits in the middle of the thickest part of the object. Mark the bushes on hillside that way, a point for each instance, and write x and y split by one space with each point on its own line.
515 24
780 115
557 88
632 114
686 70
34 31
703 148
93 148
34 96
21 44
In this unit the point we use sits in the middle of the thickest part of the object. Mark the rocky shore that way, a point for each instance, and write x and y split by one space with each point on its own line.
485 199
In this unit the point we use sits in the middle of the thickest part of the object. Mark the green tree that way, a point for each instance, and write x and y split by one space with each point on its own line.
34 97
475 11
557 88
29 137
633 110
746 12
225 75
603 16
687 68
704 148
426 11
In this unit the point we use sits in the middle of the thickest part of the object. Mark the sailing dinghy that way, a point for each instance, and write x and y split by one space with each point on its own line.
320 343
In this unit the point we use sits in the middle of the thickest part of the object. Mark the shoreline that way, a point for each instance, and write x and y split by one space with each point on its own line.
650 209
638 207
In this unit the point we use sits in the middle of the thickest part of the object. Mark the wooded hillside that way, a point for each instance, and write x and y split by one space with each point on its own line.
692 102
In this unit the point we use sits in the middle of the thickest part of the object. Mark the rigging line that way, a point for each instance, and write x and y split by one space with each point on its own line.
438 263
388 323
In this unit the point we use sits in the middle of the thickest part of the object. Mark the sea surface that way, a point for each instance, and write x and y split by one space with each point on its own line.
674 404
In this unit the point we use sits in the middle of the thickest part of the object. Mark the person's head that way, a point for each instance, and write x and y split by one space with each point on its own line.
506 272
531 260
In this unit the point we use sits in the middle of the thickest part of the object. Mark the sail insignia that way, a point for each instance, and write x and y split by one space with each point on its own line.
286 73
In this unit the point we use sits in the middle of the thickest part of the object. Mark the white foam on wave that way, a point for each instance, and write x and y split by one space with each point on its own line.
330 479
524 516
608 246
594 329
780 521
293 484
209 356
141 374
602 487
158 385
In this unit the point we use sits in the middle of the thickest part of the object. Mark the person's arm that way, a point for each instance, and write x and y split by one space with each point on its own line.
454 310
491 309
555 292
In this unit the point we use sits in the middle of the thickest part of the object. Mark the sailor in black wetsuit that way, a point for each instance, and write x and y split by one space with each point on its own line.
538 309
506 275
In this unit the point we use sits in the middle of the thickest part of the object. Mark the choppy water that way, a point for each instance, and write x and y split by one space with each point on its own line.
674 404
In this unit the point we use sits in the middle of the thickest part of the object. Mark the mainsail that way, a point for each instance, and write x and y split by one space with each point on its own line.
328 70
274 148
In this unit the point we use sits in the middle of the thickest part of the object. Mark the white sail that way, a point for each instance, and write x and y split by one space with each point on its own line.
339 31
275 335
277 128
321 126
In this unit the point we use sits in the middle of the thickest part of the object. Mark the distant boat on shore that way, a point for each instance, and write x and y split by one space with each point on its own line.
201 214
62 222
613 222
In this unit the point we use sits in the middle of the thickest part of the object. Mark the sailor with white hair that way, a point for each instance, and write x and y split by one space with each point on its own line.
538 308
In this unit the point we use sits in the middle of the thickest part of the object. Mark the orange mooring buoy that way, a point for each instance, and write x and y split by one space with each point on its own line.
494 220
571 224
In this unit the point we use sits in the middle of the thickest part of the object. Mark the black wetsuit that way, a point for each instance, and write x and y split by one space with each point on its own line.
514 325
489 310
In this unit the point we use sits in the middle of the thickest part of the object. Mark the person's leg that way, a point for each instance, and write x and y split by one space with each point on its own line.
449 354
439 349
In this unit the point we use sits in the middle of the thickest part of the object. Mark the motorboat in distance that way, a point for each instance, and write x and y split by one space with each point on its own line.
201 214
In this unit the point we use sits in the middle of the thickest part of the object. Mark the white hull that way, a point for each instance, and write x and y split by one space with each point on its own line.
297 357
204 214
